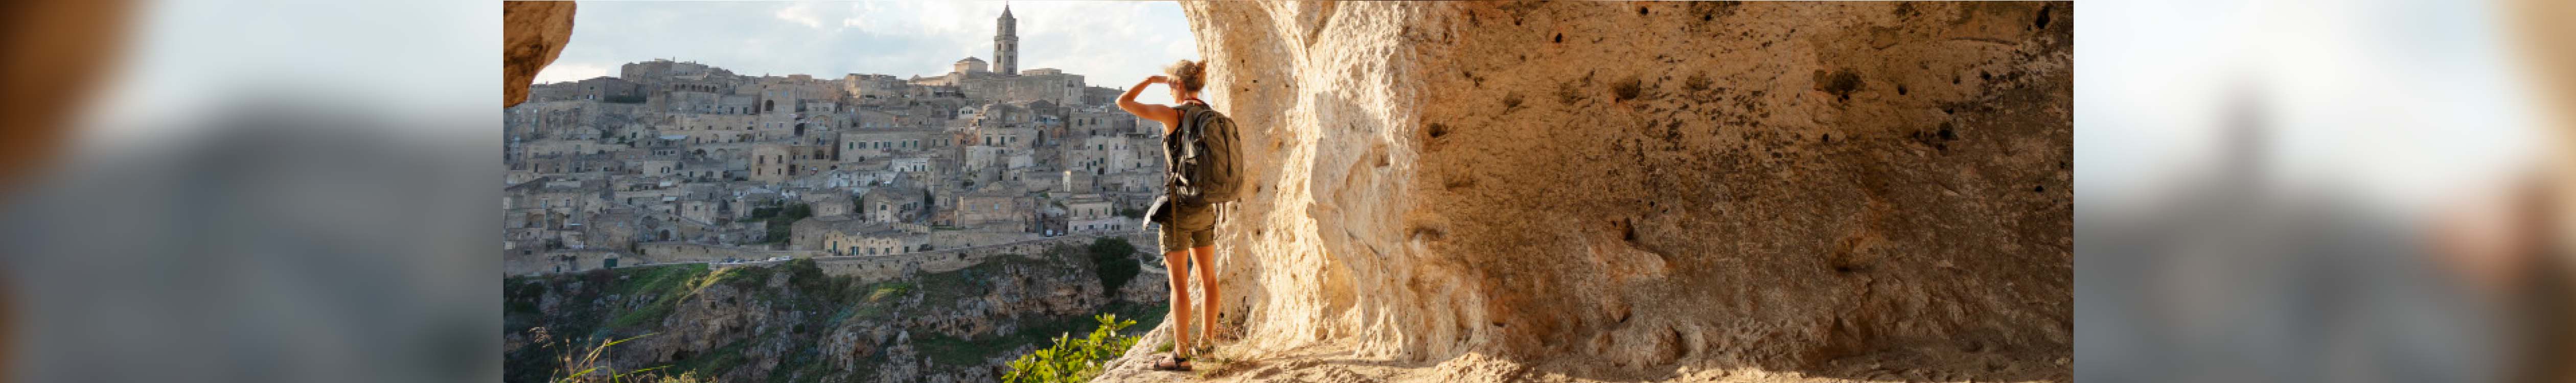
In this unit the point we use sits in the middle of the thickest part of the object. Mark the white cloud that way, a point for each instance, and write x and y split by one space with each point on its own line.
800 13
561 72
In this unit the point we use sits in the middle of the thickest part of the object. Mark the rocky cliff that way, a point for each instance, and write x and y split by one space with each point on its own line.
1469 191
532 34
793 322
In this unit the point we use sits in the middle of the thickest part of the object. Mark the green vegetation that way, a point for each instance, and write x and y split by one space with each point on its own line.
590 372
954 351
670 283
1132 213
1115 261
1073 360
888 290
717 361
780 219
810 305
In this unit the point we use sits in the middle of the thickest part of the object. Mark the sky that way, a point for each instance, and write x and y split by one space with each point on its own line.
2402 103
1112 44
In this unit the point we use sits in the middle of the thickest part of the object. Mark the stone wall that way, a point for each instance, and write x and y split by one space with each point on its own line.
1060 89
888 267
681 252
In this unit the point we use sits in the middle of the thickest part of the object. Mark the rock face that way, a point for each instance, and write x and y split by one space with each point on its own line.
57 53
1464 191
793 322
532 34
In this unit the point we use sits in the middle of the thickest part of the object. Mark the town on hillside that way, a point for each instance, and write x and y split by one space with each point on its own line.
677 161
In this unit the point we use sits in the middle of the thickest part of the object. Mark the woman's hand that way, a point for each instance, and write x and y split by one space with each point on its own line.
1157 79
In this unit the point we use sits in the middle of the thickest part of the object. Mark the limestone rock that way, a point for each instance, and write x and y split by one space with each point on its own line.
1473 191
532 34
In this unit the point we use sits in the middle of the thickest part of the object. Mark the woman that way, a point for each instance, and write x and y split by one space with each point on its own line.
1189 236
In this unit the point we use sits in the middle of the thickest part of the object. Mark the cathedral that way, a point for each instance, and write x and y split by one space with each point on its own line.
1002 79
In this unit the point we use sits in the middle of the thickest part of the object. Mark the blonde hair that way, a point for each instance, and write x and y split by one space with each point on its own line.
1188 75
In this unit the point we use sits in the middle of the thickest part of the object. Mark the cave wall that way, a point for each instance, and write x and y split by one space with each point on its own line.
1625 190
532 34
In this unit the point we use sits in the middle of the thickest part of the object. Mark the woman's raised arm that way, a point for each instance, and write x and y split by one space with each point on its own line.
1163 114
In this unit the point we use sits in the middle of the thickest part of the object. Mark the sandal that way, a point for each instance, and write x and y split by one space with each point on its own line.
1170 362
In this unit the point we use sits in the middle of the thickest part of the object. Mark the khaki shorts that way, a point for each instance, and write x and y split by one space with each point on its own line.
1190 226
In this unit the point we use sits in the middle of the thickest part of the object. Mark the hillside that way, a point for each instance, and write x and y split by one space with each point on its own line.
792 322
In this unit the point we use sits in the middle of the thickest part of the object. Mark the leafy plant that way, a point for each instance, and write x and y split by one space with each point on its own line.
1072 360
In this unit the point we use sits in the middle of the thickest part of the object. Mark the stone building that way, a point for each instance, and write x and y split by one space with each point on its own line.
1099 120
969 65
848 236
769 163
1090 214
999 205
830 204
865 145
649 71
1048 85
669 157
875 89
893 204
596 89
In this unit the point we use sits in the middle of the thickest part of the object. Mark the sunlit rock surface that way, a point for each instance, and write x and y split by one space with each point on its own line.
1471 191
532 34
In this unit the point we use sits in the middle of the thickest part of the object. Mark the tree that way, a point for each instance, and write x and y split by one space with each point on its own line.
1115 261
780 225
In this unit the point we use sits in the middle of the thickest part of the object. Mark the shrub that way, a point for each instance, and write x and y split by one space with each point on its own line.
785 219
1115 260
1072 360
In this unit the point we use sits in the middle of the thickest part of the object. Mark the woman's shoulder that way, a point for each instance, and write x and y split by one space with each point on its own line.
1194 105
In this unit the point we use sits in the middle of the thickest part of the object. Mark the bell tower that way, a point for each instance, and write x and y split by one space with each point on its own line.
1006 43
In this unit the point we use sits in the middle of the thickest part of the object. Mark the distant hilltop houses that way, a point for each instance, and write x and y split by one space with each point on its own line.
677 161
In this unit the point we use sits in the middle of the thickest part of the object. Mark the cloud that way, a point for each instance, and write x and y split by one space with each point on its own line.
561 72
800 13
1110 43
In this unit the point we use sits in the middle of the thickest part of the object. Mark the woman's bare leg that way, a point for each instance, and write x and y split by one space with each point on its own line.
1205 258
1179 264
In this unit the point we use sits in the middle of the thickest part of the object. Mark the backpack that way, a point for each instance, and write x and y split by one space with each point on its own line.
1202 157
